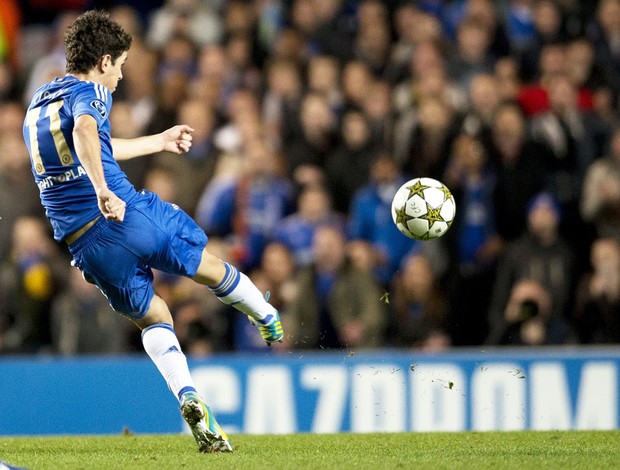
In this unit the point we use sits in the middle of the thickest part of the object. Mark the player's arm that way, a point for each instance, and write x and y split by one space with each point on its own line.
177 139
88 150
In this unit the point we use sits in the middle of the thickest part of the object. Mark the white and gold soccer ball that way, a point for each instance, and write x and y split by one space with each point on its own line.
423 208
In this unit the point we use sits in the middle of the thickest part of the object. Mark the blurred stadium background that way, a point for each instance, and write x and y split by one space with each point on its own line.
308 115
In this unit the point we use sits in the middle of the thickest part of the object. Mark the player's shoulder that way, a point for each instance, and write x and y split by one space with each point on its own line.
92 89
69 87
92 95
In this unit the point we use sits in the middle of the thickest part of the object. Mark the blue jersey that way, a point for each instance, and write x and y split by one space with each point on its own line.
66 191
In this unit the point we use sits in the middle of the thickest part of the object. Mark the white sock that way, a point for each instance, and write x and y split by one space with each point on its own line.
161 344
238 290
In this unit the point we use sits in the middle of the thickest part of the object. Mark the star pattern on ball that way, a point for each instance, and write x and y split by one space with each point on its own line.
402 217
432 215
446 192
417 188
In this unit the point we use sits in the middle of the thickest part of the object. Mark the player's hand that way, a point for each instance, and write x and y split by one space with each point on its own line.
178 139
111 206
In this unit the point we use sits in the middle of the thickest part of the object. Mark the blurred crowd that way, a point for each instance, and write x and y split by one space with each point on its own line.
308 115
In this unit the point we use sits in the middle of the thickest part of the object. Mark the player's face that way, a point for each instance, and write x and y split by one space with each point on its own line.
113 73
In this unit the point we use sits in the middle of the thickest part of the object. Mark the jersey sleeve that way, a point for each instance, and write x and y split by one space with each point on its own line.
92 99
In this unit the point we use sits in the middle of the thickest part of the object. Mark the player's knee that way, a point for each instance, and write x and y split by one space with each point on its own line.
158 312
211 270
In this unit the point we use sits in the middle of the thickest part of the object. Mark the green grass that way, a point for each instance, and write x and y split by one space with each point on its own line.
518 450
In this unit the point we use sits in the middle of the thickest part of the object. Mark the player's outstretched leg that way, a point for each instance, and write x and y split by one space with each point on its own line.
208 434
234 288
238 290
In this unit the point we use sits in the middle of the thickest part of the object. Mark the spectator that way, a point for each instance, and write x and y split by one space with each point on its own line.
430 140
487 10
347 168
472 55
570 135
246 209
215 81
124 118
372 45
600 200
241 124
8 82
520 170
161 181
484 99
597 309
333 34
296 231
172 89
278 267
239 18
290 45
412 27
534 97
583 68
200 332
604 32
527 319
82 321
305 20
177 56
307 153
419 311
379 113
337 305
428 60
239 50
18 196
191 18
33 275
138 84
428 81
520 24
507 75
473 240
281 102
369 11
194 169
323 77
269 24
356 79
539 256
548 29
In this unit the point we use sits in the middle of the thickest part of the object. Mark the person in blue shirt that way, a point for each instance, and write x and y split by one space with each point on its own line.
116 234
246 209
296 231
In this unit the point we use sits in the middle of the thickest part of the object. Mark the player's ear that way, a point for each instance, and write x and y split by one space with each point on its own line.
105 62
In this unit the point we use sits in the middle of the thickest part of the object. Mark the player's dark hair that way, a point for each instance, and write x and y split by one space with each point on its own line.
91 36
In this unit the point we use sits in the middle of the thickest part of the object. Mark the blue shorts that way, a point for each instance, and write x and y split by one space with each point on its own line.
118 257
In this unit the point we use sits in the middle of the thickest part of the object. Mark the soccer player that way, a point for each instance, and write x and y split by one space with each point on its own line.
116 234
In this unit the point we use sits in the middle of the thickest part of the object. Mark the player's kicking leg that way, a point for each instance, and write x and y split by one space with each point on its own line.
234 288
161 344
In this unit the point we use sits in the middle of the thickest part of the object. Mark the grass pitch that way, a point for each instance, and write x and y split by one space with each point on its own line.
503 450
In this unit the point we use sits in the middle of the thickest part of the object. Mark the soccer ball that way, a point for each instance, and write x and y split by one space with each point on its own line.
423 209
